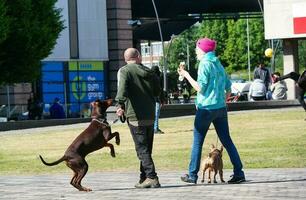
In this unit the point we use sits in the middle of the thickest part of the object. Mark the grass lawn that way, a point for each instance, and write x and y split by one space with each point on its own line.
264 139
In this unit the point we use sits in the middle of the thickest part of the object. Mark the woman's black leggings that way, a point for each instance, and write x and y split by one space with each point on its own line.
295 76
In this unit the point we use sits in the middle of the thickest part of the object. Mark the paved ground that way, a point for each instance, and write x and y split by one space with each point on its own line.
261 184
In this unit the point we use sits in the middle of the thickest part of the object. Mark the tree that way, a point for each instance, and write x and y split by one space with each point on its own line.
231 37
217 30
258 44
4 25
33 29
235 53
302 53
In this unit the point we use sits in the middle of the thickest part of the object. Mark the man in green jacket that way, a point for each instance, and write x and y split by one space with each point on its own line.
137 88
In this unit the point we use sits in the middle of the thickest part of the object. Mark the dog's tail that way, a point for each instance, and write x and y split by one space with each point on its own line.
53 163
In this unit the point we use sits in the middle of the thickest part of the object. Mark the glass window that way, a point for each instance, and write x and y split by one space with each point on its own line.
145 49
157 49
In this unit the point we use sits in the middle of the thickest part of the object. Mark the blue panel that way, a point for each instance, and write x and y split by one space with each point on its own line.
48 98
52 76
74 109
87 76
52 66
86 97
53 87
83 86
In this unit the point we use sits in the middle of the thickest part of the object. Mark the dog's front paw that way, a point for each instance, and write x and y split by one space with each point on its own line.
117 138
113 154
118 141
84 189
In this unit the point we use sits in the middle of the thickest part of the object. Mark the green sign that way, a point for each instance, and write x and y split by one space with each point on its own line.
78 88
86 66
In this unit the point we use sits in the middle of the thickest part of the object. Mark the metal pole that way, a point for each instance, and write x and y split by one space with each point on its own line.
188 64
8 102
163 48
248 38
151 53
272 59
274 53
65 96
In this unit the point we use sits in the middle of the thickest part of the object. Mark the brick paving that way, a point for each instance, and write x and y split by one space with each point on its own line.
261 184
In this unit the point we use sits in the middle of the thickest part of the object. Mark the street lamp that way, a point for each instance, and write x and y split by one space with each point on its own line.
163 49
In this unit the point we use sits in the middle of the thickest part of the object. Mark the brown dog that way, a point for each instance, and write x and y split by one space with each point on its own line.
94 137
213 163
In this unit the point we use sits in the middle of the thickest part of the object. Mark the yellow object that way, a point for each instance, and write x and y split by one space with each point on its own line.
269 53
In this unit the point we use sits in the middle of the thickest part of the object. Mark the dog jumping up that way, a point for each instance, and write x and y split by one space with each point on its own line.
94 137
214 163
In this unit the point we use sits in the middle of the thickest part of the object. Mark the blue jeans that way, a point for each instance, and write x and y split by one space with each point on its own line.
157 112
203 119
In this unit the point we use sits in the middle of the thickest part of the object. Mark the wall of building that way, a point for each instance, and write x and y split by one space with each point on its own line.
120 37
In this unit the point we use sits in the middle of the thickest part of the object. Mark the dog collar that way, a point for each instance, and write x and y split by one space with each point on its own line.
101 121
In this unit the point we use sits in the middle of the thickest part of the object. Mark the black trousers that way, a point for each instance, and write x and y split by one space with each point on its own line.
143 137
258 98
300 91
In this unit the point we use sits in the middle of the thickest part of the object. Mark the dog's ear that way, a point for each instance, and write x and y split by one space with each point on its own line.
212 146
209 155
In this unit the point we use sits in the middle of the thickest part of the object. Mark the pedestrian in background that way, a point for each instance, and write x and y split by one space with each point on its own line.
300 80
278 88
262 73
159 103
56 110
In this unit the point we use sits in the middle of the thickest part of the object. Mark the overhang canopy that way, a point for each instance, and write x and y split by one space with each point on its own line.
178 15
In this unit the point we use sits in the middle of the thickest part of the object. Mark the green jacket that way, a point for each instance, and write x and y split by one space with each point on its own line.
138 86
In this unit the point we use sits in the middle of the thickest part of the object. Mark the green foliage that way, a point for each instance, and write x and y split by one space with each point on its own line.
4 25
236 45
217 30
231 37
258 44
33 29
302 53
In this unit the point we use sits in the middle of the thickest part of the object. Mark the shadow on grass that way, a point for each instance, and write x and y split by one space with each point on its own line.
180 131
187 130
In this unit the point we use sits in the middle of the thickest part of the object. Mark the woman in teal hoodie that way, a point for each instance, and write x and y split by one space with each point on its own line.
212 87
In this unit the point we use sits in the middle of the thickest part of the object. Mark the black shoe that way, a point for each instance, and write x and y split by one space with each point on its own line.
236 180
187 179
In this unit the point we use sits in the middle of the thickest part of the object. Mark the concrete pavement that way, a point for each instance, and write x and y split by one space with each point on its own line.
261 184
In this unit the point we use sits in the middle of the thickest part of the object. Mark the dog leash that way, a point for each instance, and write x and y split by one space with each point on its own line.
101 122
122 118
104 122
217 141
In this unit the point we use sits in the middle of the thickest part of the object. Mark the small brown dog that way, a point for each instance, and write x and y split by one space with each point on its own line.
94 137
214 163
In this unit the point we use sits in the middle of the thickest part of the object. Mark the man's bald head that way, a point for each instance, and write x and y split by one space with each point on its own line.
132 55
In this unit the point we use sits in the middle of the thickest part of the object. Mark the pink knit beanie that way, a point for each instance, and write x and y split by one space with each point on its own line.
206 44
